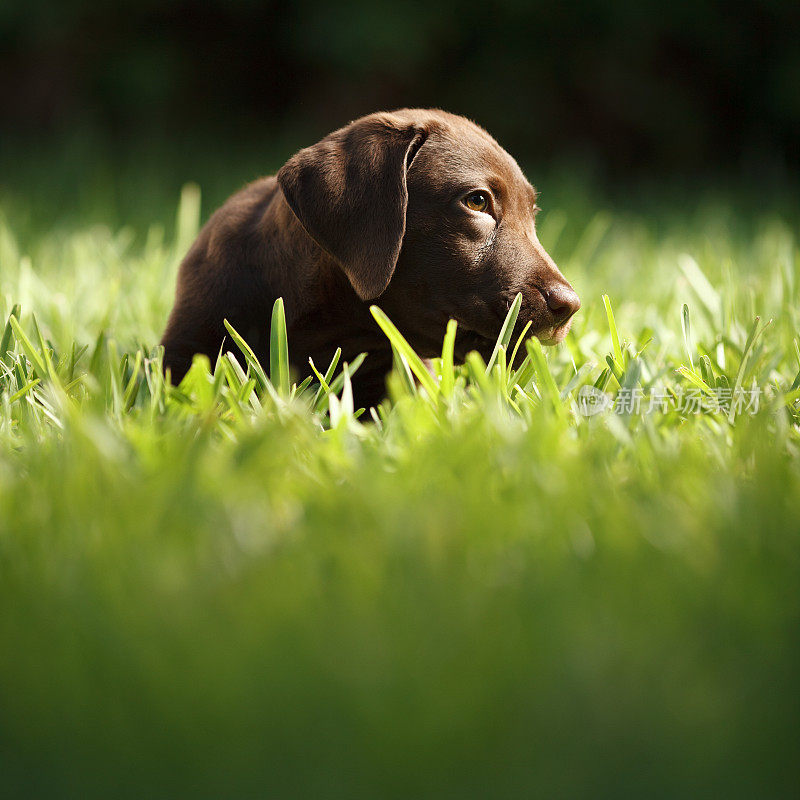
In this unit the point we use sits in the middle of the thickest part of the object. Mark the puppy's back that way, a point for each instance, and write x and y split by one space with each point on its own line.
224 275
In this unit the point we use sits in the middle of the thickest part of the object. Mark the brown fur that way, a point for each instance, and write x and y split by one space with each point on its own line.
372 213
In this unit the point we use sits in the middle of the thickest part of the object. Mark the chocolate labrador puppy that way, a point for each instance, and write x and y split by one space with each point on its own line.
419 211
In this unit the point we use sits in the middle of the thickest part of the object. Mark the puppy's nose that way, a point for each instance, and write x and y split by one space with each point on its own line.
562 301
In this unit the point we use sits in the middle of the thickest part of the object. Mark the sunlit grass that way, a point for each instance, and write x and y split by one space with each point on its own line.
244 585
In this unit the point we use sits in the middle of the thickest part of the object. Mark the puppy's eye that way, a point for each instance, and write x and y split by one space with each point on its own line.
477 201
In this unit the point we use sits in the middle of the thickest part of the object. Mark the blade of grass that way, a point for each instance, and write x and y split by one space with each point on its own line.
28 348
576 379
695 380
706 370
523 376
19 394
740 374
324 380
614 334
520 340
448 348
279 350
97 354
132 389
6 340
547 384
687 335
250 357
506 331
240 379
404 348
476 367
404 373
338 382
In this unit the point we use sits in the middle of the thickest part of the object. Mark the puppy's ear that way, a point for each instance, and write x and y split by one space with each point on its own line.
349 193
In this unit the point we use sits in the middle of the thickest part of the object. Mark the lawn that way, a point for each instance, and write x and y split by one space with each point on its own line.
578 579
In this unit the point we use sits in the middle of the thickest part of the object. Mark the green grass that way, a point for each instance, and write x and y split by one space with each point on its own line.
241 587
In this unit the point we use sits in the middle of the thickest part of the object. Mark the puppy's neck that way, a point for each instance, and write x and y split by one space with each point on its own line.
323 311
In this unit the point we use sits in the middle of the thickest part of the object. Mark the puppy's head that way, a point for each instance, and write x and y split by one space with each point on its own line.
426 211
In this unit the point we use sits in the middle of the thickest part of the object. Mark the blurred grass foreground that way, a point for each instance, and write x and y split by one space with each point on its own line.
240 587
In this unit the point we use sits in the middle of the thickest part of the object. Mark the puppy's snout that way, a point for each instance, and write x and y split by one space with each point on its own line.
562 301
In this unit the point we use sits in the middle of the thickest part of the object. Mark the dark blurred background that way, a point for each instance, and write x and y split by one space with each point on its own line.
145 92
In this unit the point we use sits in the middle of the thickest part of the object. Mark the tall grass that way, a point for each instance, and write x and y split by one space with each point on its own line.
244 585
